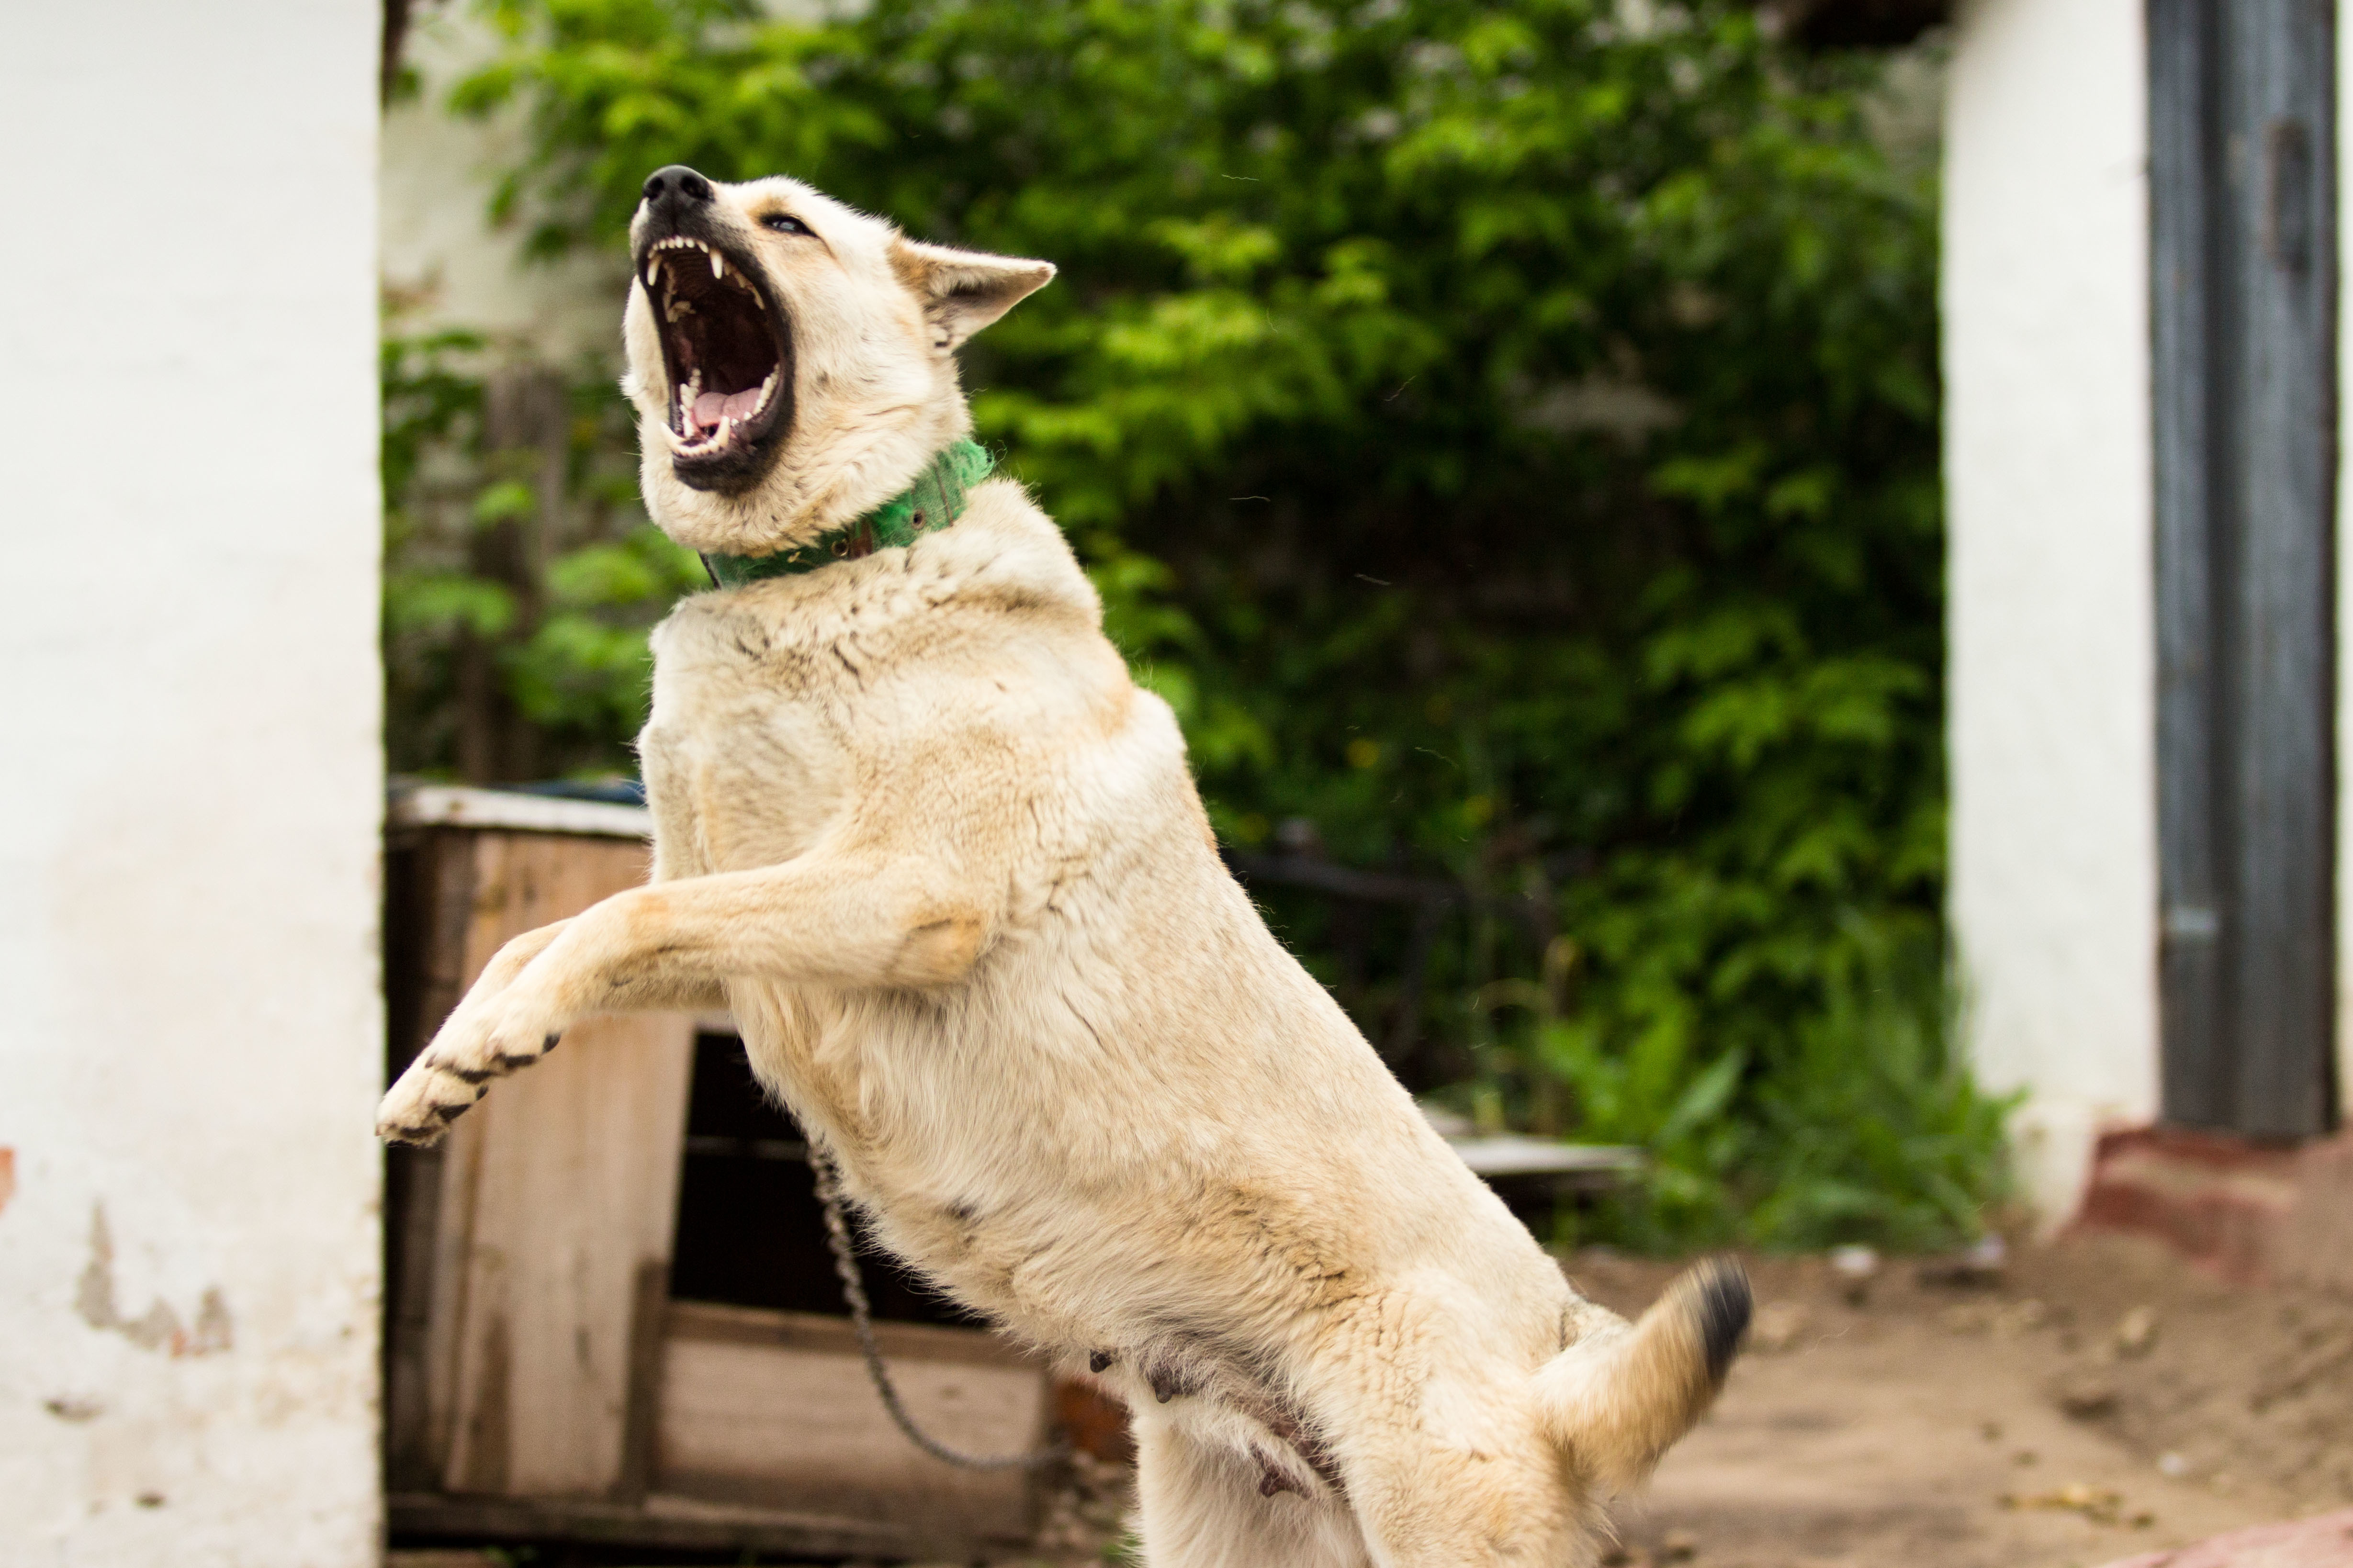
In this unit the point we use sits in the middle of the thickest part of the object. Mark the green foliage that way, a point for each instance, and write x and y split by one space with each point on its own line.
1508 438
519 581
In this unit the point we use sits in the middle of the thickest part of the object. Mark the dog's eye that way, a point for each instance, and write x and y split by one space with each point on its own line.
784 222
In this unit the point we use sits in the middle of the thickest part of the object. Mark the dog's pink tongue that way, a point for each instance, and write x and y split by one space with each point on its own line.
713 406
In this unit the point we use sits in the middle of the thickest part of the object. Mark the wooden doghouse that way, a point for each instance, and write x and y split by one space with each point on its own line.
610 1310
610 1315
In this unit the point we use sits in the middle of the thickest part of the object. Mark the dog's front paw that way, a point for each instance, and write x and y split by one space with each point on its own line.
453 1073
418 1109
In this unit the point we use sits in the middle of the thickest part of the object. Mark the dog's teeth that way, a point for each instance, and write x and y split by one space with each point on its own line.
767 389
653 271
718 266
726 429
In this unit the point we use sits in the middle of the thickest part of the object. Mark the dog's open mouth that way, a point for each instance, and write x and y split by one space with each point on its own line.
729 358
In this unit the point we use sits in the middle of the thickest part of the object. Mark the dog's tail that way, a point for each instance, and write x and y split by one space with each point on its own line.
1618 1399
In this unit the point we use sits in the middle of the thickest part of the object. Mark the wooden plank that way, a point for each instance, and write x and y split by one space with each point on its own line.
506 810
2278 80
557 1200
829 1335
775 1410
682 1524
2191 892
2242 184
430 882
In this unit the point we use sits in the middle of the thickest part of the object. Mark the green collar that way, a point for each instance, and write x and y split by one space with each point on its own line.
935 500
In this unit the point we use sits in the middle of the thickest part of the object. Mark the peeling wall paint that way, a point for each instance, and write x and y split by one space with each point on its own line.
190 1027
158 1327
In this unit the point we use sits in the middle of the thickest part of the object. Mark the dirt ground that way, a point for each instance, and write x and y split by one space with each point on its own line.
2095 1400
2086 1402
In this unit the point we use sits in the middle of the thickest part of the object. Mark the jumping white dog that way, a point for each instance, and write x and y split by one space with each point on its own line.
943 860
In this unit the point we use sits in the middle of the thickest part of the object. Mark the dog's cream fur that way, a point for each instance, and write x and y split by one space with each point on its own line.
944 862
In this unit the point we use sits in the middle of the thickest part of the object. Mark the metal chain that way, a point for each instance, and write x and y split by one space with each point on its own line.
861 1322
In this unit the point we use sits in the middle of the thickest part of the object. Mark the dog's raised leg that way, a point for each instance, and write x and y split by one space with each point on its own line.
877 919
490 986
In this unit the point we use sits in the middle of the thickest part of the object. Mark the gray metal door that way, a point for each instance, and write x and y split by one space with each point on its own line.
2244 196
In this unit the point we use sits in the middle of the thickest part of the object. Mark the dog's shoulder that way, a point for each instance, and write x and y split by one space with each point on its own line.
1005 547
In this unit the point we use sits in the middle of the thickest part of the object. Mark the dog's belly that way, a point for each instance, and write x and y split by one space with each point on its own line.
1069 1179
1141 1140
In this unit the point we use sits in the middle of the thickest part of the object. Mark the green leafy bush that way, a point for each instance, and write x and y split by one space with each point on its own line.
520 574
1507 436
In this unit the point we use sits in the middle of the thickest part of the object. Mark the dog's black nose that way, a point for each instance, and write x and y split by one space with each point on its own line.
678 184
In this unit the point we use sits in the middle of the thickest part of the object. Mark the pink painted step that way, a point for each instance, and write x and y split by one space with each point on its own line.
2324 1540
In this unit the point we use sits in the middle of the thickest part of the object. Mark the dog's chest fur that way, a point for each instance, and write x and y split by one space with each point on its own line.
887 698
850 697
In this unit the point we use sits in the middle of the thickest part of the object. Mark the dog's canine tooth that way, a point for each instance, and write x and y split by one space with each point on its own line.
653 271
718 266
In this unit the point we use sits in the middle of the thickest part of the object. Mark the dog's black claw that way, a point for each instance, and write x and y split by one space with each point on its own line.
1099 1362
468 1075
551 1044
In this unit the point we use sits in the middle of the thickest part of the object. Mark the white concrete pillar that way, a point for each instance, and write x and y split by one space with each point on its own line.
190 1031
2048 488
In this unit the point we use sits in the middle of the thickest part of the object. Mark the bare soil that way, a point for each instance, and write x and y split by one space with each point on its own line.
2086 1402
2098 1400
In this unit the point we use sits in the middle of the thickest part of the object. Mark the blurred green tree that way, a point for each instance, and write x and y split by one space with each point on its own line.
1508 436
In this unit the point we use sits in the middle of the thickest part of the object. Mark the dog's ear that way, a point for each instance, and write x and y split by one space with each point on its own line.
964 290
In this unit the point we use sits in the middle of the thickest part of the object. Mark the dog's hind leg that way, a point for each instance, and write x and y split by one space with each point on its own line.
1510 1503
1203 1508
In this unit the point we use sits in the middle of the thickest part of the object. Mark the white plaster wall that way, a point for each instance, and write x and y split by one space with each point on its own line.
2048 475
190 785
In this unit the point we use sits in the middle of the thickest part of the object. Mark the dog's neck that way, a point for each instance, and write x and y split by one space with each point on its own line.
935 500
